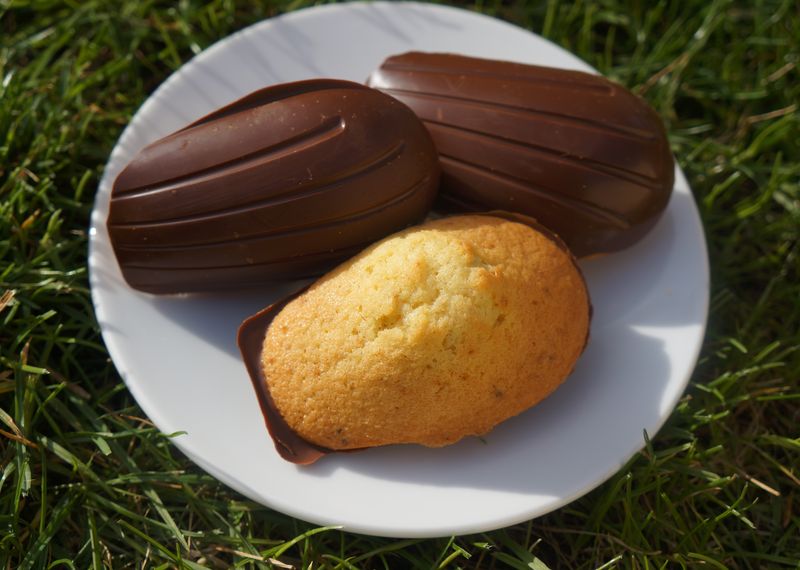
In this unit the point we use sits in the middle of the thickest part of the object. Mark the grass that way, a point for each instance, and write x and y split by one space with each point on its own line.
87 482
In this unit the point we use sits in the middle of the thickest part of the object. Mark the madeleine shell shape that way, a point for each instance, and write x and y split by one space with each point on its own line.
438 332
281 184
581 154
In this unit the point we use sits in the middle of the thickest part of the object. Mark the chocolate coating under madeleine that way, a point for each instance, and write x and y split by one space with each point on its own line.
581 154
281 184
250 339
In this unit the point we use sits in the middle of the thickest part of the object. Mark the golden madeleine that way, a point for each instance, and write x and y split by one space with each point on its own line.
435 333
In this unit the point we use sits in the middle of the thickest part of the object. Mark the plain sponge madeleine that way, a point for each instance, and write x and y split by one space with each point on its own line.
435 333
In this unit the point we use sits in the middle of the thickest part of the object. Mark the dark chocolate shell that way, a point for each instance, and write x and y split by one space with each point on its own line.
282 184
581 154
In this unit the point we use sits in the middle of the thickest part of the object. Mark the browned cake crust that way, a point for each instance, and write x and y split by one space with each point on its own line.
435 333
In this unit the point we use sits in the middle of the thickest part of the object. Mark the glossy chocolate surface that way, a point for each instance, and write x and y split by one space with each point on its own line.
282 184
579 153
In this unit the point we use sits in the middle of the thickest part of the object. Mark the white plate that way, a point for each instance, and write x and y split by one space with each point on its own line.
179 358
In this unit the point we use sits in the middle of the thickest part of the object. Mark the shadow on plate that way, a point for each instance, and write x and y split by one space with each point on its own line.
215 318
627 281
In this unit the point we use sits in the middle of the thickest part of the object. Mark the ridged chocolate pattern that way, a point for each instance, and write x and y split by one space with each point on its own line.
581 154
281 184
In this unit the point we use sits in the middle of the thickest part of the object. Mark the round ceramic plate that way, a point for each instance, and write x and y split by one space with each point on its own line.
179 358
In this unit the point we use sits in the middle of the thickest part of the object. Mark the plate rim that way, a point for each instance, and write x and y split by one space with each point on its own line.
419 531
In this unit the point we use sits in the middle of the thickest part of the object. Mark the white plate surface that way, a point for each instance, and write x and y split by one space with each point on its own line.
179 358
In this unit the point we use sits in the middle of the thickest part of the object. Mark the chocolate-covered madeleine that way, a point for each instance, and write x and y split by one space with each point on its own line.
281 184
580 153
435 333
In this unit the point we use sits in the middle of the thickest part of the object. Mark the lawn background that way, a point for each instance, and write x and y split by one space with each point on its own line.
87 482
